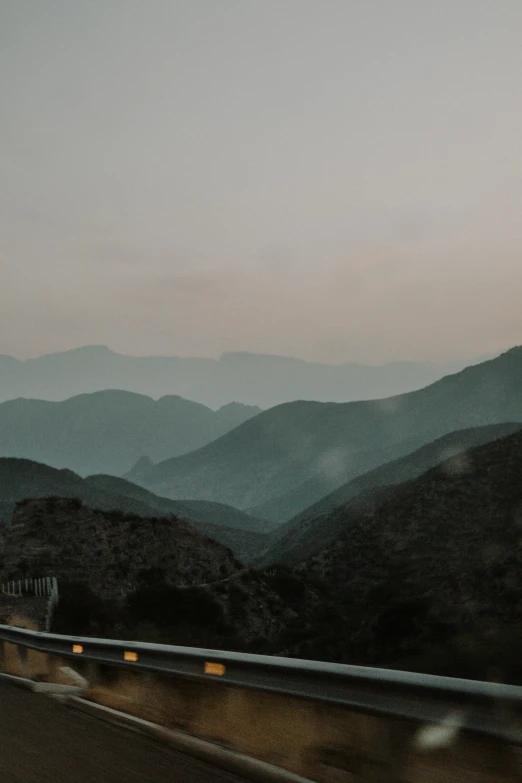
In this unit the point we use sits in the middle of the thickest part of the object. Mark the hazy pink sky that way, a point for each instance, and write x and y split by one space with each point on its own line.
330 179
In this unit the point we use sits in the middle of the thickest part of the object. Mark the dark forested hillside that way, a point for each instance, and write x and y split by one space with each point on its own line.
422 562
316 527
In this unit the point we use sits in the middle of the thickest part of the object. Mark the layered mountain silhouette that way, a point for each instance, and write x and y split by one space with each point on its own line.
414 567
255 379
106 432
316 527
289 457
22 479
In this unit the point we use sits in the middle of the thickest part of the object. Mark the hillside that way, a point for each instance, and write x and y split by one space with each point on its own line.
428 571
243 533
200 510
321 446
23 479
107 550
315 528
255 379
108 431
152 578
437 556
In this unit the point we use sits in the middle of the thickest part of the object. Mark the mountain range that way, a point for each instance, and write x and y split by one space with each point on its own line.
287 458
254 379
108 431
432 566
22 479
382 532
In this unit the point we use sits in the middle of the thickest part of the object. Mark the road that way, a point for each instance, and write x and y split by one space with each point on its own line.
42 741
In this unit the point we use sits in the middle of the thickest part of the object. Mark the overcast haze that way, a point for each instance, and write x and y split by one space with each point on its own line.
332 180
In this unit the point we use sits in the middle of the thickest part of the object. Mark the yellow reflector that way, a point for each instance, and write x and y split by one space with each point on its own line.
128 655
77 648
214 668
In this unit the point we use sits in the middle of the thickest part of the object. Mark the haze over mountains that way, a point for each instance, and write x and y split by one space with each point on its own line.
378 529
254 379
317 526
107 432
323 198
287 458
411 568
22 479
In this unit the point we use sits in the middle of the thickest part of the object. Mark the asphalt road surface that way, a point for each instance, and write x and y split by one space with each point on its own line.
42 741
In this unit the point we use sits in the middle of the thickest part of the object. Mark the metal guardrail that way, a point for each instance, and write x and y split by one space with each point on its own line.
492 708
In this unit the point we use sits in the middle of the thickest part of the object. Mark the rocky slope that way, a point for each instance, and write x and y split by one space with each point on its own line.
301 451
108 431
107 550
184 585
422 561
316 527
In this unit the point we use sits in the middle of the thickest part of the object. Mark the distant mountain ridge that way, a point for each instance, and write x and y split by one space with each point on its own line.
291 456
108 431
254 379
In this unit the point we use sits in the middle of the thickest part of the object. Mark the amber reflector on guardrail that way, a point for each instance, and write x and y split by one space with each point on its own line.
77 648
128 655
214 668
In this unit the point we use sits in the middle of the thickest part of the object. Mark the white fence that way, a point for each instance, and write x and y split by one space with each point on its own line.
44 587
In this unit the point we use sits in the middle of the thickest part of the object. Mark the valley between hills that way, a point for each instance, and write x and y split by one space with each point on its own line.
384 531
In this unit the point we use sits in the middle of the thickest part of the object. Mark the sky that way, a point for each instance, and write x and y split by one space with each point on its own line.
335 180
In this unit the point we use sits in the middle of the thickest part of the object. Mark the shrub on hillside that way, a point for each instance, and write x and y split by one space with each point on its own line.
80 612
164 605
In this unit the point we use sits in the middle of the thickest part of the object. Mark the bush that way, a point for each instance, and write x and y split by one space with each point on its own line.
288 585
80 612
164 606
